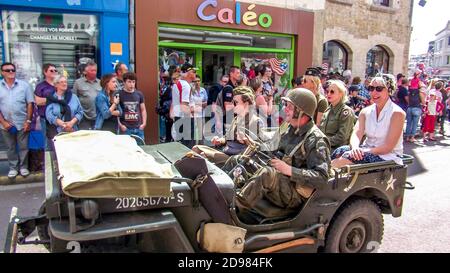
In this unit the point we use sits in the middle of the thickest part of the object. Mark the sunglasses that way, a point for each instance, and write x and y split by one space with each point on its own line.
9 70
53 70
332 92
174 79
377 88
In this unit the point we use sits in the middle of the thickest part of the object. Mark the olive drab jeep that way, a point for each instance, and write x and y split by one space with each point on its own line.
345 215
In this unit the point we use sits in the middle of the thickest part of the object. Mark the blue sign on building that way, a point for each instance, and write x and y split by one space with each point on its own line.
67 33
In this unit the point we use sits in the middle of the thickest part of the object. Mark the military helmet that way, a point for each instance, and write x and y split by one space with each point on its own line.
303 99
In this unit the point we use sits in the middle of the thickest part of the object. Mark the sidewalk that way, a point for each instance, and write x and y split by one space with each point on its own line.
4 168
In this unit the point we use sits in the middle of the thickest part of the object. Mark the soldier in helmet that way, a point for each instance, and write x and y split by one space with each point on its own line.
305 159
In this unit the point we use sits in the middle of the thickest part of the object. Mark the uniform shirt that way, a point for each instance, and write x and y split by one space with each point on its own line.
250 122
185 97
130 103
312 168
337 124
53 112
322 105
43 90
14 102
86 92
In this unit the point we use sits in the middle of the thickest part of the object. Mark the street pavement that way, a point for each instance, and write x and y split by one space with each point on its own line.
423 226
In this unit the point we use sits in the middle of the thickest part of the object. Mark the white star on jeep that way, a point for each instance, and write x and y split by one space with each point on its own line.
390 183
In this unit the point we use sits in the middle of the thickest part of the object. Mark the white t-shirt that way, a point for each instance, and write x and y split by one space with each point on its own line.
185 94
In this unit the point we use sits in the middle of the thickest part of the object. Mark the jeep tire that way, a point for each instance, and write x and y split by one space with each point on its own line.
356 227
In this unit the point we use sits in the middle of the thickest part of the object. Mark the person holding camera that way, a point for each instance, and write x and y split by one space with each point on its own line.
107 105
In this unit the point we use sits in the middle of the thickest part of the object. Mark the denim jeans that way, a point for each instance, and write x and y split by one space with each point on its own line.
137 132
412 119
17 152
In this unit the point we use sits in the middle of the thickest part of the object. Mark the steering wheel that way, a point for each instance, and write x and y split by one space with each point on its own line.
255 140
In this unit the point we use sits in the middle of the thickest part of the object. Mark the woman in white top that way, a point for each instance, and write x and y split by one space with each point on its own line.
197 102
382 124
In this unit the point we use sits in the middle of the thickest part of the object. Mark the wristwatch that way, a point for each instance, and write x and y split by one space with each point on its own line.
28 121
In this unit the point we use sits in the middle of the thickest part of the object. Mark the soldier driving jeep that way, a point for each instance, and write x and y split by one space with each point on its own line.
305 163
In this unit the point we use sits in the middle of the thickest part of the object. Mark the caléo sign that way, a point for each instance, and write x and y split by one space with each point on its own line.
228 16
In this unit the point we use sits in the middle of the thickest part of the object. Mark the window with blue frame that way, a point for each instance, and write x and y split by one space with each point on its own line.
32 39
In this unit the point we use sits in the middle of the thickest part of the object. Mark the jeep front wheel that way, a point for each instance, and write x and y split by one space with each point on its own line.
355 227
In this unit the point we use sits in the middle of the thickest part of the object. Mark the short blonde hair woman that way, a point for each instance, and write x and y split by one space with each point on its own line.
338 120
312 83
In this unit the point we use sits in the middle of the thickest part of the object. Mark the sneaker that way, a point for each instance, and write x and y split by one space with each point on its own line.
12 173
24 172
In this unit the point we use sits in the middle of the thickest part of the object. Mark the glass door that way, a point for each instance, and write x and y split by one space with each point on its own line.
215 65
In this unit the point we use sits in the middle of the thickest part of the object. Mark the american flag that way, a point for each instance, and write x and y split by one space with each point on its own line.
279 67
325 68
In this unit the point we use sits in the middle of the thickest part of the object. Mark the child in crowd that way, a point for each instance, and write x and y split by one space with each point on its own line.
432 108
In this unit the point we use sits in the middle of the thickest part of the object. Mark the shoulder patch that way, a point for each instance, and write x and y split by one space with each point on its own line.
346 112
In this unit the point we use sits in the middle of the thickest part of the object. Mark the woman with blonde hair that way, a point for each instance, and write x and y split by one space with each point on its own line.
313 83
338 120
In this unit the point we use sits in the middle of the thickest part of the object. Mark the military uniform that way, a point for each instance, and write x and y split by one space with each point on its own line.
250 122
337 124
322 105
307 150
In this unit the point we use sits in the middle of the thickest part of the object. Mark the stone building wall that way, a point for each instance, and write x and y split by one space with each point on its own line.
358 25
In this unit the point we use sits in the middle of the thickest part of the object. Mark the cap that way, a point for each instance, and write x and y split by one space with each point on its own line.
400 75
186 67
312 71
353 88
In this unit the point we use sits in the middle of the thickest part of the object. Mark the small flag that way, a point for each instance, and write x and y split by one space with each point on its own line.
279 67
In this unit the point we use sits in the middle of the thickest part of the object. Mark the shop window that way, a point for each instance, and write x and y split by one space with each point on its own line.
384 3
171 59
186 35
336 56
377 61
32 39
279 62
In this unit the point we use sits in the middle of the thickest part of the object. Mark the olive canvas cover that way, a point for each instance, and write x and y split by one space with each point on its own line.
100 164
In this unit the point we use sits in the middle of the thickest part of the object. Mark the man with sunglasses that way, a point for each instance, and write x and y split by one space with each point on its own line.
16 111
42 91
304 162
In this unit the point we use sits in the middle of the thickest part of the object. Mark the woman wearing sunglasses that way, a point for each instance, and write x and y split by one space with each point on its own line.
338 120
382 125
312 82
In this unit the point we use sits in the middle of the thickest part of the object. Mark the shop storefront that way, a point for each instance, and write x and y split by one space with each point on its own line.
214 35
66 33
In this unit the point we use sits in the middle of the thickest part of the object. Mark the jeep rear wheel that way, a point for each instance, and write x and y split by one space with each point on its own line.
354 227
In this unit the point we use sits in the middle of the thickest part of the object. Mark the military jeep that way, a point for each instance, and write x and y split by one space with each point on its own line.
345 215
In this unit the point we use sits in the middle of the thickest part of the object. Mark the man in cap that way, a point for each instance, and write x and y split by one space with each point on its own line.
180 110
233 142
305 159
